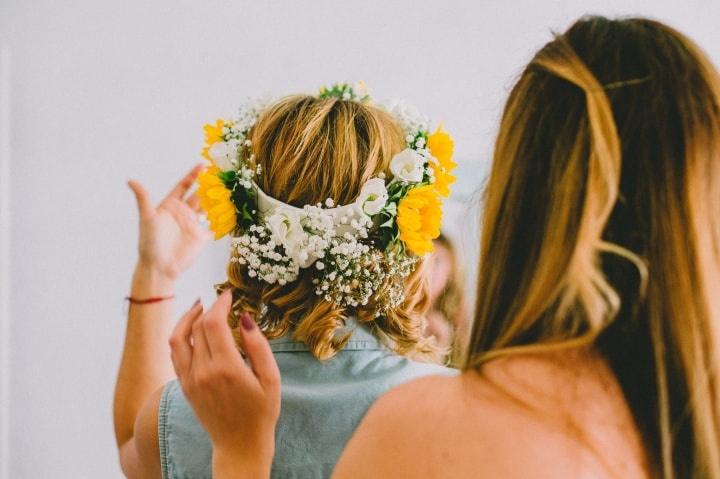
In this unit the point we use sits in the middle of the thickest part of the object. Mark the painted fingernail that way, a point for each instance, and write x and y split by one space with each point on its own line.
247 322
197 301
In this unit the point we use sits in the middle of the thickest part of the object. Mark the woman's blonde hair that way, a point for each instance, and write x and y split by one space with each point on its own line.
602 227
311 149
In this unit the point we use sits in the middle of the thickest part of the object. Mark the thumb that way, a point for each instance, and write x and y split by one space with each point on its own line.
145 206
256 347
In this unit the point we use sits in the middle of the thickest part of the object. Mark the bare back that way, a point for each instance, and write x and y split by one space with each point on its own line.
555 415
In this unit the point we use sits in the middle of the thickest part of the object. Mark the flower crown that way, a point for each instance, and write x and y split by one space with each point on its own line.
356 253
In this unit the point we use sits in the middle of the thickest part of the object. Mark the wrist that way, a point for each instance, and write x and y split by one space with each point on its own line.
150 281
251 459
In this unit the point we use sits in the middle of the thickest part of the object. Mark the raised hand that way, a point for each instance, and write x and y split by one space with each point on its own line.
237 404
171 237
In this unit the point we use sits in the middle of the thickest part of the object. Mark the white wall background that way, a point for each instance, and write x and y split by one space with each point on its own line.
100 91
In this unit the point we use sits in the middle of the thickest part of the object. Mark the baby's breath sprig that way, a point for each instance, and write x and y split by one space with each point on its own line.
264 258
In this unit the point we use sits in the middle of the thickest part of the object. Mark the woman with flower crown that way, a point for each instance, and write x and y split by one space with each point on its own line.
331 203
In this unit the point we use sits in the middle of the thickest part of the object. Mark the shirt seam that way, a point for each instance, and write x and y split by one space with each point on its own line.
163 431
358 345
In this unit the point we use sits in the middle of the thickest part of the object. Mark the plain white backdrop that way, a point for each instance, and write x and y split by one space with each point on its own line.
96 92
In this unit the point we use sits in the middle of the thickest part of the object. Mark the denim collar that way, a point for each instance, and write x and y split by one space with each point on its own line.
361 339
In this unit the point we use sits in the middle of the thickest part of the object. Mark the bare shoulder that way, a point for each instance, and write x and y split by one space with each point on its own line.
406 430
426 395
520 417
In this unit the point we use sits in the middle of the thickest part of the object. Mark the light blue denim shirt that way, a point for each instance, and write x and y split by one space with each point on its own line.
322 404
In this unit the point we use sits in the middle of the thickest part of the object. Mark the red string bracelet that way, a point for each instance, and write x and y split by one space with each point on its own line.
153 299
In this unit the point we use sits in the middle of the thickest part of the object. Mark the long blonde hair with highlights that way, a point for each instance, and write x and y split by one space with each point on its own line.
311 149
601 226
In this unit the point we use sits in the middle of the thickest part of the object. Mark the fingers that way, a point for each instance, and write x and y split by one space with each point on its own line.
201 350
194 202
258 351
222 344
180 349
186 217
145 206
185 184
217 332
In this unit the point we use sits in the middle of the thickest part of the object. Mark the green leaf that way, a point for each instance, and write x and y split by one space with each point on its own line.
389 223
390 209
245 202
228 178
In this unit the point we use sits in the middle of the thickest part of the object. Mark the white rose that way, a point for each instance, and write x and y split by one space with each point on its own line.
286 227
373 197
224 154
408 165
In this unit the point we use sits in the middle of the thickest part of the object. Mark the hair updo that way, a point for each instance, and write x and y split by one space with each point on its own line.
310 149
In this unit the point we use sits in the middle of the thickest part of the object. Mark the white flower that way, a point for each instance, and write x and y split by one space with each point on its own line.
409 116
408 165
287 230
373 197
286 227
225 154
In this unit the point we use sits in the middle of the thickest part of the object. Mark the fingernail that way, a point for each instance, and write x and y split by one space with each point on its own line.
197 301
247 322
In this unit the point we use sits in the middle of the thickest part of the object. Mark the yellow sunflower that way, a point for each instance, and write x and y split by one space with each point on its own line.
216 200
441 146
418 219
213 134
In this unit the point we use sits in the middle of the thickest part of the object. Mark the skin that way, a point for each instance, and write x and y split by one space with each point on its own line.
440 272
446 330
438 326
439 276
170 240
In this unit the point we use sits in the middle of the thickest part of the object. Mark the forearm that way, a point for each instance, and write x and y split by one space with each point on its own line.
145 364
